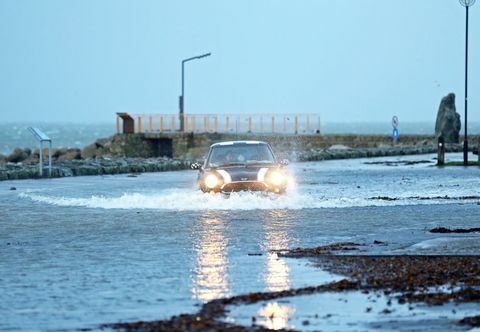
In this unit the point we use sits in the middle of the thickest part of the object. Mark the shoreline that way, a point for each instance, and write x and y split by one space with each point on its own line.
110 165
400 278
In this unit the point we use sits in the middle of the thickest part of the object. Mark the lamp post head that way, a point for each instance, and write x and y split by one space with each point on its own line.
467 3
197 57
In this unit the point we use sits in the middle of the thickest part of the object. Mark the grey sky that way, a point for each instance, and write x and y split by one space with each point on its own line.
349 60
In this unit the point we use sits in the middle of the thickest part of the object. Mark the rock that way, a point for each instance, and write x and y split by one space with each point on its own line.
13 188
100 148
71 154
87 170
448 120
27 173
476 151
58 153
473 321
36 155
89 152
19 155
339 147
103 142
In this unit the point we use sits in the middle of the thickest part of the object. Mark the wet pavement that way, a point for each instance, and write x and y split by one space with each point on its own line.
79 252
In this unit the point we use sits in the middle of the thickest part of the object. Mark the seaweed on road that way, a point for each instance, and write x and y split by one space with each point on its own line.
455 230
433 280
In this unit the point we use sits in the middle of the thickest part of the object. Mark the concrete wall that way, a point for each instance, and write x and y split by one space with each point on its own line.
196 145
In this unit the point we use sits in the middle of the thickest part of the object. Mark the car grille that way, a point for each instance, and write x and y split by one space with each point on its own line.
244 186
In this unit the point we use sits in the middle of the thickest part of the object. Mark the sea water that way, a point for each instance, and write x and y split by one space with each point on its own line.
79 252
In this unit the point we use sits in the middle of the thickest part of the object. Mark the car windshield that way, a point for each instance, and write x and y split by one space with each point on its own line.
240 154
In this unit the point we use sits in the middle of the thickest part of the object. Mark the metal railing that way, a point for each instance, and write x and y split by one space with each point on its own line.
227 123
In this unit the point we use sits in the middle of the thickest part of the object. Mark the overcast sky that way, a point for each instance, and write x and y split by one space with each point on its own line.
349 60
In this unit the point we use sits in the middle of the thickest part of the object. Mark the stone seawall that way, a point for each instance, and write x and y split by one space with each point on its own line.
99 166
330 154
191 145
196 145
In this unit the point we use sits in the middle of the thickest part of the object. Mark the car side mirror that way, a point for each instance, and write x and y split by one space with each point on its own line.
196 166
284 162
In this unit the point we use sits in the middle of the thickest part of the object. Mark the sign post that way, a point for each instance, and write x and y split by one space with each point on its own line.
42 137
395 130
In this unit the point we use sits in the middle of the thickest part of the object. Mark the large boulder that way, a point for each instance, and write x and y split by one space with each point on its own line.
70 154
100 148
19 155
36 155
448 120
89 152
59 152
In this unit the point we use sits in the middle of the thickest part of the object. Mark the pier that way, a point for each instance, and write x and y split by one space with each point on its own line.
299 124
157 135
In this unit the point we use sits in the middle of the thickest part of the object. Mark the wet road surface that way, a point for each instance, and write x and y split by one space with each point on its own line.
78 252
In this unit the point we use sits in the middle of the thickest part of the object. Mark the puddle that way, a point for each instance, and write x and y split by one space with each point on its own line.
273 274
287 273
349 311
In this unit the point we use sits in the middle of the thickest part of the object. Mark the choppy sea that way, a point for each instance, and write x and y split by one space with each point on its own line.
78 135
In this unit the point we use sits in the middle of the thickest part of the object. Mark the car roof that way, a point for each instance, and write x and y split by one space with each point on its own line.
237 142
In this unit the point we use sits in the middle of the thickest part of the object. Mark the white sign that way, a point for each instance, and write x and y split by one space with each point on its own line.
39 135
395 121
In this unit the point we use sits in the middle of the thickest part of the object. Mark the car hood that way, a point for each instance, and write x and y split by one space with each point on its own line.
242 173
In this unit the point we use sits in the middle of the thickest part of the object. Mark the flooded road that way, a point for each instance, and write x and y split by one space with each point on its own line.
78 252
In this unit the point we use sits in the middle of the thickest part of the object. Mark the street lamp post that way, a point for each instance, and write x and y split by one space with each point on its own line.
182 97
466 4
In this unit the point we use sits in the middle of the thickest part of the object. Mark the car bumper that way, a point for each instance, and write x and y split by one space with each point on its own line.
237 186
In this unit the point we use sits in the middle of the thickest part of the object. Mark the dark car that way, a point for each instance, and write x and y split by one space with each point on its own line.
241 166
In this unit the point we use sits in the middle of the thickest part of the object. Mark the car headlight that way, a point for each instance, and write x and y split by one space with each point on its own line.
211 181
276 178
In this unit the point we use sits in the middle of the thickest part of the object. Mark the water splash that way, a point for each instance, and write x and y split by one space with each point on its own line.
188 200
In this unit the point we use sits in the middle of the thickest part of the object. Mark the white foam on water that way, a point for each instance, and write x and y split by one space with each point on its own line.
189 200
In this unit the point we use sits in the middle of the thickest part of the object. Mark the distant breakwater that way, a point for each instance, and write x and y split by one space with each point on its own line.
97 166
332 154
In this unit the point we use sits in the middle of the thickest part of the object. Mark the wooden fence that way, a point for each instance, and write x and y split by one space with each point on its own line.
227 123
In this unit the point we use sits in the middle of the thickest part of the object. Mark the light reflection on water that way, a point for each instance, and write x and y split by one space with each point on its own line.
276 238
210 277
276 315
277 277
